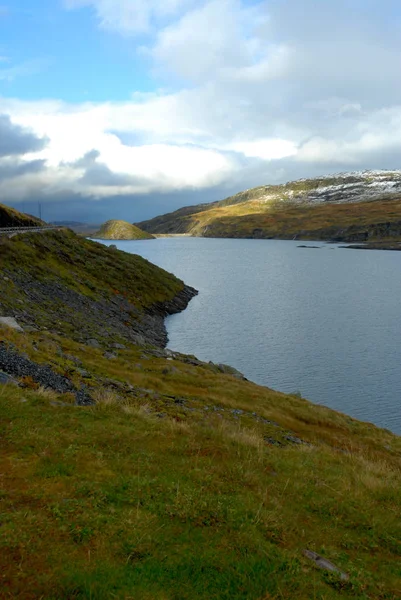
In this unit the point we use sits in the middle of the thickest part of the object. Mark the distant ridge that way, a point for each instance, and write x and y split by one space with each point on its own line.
345 206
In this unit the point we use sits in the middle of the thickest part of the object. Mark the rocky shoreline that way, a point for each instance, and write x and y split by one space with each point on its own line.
49 304
154 331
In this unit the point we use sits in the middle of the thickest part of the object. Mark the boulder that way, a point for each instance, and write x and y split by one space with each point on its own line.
7 379
11 322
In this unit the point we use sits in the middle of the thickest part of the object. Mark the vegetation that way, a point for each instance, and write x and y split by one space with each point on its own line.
78 287
9 217
181 481
121 230
342 222
306 209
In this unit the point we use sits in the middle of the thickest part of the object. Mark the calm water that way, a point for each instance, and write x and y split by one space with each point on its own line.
324 322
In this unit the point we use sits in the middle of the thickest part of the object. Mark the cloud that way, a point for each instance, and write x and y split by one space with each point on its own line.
16 140
129 16
251 92
12 168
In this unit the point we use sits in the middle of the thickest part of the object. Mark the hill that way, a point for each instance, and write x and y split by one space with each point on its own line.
345 207
9 217
150 474
120 230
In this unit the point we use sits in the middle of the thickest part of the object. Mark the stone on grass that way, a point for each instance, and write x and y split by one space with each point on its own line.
323 563
7 379
109 355
11 322
93 343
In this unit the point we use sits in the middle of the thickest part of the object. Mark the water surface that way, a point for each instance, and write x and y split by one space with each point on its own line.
324 322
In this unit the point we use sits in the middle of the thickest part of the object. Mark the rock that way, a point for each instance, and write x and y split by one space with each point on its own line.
118 346
93 343
83 373
272 441
82 398
109 355
230 371
7 379
323 563
73 359
170 371
13 363
11 322
30 329
293 439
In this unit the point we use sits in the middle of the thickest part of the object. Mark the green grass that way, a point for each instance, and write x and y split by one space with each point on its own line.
143 497
121 230
71 265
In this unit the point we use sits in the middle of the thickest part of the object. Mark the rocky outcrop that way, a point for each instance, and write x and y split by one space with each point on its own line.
112 317
363 233
13 363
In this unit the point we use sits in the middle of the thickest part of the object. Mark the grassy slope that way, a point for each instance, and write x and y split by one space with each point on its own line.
152 498
91 270
121 230
9 217
323 221
244 215
181 482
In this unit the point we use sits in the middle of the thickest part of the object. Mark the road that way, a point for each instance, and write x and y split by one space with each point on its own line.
14 230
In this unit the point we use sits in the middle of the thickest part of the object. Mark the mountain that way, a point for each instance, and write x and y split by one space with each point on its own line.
345 207
9 217
151 474
120 230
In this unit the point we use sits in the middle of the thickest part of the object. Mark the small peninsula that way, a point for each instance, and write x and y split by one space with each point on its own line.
121 230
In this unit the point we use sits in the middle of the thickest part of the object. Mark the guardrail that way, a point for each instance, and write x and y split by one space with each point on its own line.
11 230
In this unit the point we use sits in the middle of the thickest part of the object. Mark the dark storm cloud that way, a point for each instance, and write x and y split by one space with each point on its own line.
99 174
15 168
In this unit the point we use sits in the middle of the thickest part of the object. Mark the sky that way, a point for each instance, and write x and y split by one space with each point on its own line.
132 108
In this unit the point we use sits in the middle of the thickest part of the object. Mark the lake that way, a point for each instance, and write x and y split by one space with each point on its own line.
324 322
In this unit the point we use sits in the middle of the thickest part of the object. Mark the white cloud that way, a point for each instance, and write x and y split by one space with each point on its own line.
255 92
129 16
270 149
